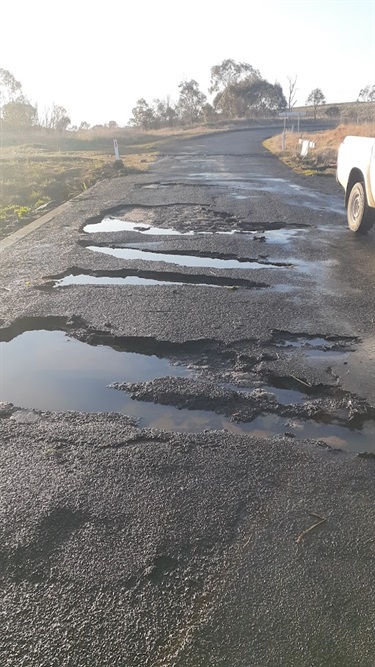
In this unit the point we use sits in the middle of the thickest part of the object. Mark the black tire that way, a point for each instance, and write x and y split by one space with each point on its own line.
360 216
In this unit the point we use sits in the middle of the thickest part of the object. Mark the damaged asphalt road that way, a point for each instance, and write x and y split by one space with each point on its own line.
187 421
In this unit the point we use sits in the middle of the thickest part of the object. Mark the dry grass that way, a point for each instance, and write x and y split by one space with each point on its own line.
321 159
48 166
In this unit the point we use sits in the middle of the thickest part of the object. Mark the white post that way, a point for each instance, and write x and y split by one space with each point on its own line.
283 136
117 154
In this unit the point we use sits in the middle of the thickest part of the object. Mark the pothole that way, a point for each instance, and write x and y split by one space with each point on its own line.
330 434
155 186
117 225
283 236
48 370
164 220
108 280
153 278
314 346
186 260
51 370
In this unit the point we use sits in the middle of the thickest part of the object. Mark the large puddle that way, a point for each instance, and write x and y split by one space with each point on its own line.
48 370
184 260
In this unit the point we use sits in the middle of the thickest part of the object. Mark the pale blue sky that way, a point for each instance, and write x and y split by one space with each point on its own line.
98 59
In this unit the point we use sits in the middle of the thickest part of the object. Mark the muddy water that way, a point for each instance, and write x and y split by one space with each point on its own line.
47 370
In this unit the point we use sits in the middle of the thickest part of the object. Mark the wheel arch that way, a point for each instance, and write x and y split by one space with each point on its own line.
355 176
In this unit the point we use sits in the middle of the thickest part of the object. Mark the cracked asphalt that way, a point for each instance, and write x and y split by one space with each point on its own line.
131 539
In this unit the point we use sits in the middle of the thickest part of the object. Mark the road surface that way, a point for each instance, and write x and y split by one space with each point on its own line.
187 421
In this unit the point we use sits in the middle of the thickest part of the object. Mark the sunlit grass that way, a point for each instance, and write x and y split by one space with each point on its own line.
54 167
322 158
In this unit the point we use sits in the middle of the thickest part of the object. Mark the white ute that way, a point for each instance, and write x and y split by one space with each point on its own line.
356 173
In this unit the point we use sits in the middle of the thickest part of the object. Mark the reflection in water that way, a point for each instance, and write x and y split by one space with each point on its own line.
181 260
282 236
47 370
50 371
83 279
118 225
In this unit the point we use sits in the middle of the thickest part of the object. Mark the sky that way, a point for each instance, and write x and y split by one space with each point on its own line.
97 59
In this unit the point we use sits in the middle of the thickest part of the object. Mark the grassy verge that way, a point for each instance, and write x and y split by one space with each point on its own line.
323 157
41 170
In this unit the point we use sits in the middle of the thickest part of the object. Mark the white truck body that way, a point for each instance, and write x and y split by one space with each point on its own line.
356 173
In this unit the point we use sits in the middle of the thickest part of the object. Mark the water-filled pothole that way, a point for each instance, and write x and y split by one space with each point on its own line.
316 346
282 236
282 395
186 260
107 280
180 279
118 225
47 370
110 224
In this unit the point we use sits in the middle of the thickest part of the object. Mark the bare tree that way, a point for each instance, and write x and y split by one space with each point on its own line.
292 91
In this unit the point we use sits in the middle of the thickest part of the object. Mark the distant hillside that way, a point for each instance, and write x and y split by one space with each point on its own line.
343 112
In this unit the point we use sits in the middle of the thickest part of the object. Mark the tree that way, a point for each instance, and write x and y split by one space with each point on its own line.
84 125
59 118
56 118
332 112
229 103
230 72
164 112
9 87
315 98
250 97
190 101
143 115
292 91
260 97
19 115
367 94
208 113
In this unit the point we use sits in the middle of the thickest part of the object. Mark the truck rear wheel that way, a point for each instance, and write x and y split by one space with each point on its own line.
360 217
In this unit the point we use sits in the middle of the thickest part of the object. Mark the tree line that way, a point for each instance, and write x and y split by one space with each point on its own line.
17 112
238 90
